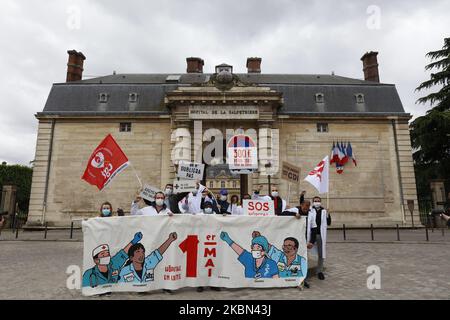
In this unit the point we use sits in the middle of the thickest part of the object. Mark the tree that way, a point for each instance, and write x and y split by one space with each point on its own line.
430 134
21 177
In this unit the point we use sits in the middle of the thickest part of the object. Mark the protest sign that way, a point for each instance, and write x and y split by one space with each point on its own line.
190 170
149 192
180 186
290 173
258 207
242 153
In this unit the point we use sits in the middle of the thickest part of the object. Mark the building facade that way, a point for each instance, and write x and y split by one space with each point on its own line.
159 119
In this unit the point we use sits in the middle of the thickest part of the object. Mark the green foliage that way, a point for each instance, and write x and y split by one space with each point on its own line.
430 134
21 177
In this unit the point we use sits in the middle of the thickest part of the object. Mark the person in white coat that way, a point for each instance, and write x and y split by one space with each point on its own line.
278 202
192 202
318 221
153 208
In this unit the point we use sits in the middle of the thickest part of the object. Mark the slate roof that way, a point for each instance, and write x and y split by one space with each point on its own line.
299 92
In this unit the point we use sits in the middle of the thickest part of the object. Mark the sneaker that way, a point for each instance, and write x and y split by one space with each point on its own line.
321 276
200 289
167 291
215 289
306 284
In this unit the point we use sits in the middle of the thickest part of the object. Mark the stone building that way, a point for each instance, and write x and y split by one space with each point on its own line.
305 113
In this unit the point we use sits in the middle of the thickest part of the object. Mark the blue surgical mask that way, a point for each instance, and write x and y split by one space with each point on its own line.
106 212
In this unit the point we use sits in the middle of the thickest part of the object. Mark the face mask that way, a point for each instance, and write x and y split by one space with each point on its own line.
223 198
159 202
106 212
317 204
168 192
256 254
105 260
274 194
208 210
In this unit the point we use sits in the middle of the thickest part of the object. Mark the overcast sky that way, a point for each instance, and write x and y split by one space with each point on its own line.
291 36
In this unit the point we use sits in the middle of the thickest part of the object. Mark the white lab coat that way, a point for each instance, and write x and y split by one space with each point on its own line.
323 230
235 209
193 202
146 211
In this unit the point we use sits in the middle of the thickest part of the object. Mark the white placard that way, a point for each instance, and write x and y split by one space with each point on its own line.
149 192
258 208
184 185
190 170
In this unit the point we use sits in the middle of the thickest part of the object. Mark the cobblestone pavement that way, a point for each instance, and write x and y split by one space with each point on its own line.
36 270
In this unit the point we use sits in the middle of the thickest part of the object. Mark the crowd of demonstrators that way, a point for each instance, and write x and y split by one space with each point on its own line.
203 201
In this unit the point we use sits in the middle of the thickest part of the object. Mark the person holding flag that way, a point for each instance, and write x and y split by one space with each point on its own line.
318 217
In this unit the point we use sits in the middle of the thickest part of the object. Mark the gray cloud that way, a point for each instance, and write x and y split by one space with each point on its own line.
156 36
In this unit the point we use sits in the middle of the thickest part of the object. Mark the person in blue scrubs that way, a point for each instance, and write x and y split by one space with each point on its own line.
257 264
290 263
107 268
140 268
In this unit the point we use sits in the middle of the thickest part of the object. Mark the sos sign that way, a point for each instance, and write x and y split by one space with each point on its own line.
258 207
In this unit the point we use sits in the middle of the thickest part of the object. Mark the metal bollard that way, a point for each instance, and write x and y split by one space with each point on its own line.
426 233
71 230
45 234
343 230
371 230
17 232
398 234
443 232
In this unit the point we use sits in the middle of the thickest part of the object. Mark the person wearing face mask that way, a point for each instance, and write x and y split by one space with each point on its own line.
278 202
107 268
257 264
106 210
223 203
192 202
319 220
172 199
235 208
157 207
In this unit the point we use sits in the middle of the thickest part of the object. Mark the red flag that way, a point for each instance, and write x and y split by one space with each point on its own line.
105 163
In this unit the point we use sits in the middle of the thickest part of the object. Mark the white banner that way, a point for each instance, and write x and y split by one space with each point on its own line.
144 253
258 207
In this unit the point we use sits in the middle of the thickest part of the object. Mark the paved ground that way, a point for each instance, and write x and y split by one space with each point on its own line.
409 270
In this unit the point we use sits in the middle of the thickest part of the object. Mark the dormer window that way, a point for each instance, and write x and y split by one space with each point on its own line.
132 97
320 98
359 98
224 67
103 97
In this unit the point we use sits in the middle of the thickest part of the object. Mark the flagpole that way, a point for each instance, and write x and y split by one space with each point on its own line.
134 170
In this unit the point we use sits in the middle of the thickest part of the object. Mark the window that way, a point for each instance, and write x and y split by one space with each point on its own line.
234 184
125 127
320 98
322 127
211 184
222 184
132 97
359 98
103 97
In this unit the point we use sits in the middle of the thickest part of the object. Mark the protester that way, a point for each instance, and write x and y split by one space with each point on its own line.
223 203
319 219
192 202
157 207
302 196
235 208
208 197
106 210
278 202
172 199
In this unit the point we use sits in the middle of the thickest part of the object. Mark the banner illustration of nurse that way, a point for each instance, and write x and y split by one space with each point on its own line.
289 262
257 263
140 268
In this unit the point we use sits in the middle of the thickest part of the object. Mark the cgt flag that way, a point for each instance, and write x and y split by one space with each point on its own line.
105 163
318 177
